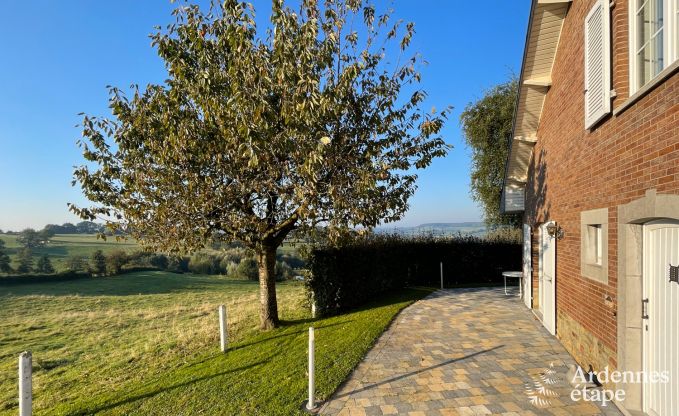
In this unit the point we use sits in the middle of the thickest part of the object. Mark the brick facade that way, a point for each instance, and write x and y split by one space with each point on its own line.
575 170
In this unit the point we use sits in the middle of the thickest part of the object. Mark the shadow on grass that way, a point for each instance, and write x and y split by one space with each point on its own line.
162 389
288 333
413 373
389 298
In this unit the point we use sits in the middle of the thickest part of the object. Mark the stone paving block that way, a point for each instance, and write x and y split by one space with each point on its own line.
463 352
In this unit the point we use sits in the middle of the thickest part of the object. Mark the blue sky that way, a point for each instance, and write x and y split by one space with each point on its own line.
58 56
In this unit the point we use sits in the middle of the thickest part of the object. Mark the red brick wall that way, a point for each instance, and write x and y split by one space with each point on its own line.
575 170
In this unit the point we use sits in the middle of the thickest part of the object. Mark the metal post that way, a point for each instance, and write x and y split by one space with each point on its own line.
222 327
441 275
25 384
310 405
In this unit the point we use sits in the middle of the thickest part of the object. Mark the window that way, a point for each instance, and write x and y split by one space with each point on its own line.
649 40
594 244
594 255
654 39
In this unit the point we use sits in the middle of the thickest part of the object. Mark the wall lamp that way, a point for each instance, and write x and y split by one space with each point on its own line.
554 230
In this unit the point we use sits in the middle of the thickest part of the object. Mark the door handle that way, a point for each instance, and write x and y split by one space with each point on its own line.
644 309
674 273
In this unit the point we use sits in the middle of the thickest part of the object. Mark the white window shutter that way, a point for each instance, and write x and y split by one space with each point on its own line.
597 63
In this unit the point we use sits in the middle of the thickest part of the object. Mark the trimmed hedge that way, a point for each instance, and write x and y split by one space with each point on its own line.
348 276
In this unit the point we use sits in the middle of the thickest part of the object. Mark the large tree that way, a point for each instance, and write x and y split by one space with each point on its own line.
487 129
256 134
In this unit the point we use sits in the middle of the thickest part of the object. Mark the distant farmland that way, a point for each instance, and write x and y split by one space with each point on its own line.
63 246
441 229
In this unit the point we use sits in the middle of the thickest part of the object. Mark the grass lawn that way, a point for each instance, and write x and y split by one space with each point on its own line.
147 343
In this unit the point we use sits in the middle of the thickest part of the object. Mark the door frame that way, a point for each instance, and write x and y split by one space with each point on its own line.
647 343
527 282
631 217
551 325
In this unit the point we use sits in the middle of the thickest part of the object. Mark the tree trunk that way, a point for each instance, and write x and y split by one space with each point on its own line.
268 313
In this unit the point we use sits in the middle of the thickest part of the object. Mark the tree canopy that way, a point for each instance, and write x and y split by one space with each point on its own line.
255 134
30 238
487 129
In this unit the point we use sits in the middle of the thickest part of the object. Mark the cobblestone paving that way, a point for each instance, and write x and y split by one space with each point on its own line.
463 352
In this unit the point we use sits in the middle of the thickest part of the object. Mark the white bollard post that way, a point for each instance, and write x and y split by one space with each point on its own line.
311 405
25 384
313 305
441 275
222 327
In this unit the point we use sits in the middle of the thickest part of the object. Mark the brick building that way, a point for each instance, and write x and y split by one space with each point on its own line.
594 167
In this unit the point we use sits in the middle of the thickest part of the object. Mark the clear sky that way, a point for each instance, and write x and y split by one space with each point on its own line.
56 58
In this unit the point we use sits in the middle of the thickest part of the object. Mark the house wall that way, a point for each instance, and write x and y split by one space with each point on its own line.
575 170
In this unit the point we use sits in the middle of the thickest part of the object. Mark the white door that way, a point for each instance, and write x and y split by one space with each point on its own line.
548 278
661 307
527 269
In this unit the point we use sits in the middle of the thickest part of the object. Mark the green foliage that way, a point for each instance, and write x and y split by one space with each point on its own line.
487 129
255 134
5 264
25 258
347 276
115 262
83 227
177 264
75 263
29 238
283 271
44 265
205 263
248 269
159 261
61 247
98 263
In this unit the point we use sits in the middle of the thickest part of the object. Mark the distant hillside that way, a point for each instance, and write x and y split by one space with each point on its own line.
439 229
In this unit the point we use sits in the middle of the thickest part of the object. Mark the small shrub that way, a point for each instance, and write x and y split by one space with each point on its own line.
283 271
205 263
248 269
292 261
98 263
75 263
25 261
115 262
235 255
232 269
177 264
44 265
159 261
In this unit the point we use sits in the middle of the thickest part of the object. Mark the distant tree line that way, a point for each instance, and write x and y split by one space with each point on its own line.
83 227
236 262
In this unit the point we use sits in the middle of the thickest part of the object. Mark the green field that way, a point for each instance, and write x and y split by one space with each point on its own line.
147 343
62 246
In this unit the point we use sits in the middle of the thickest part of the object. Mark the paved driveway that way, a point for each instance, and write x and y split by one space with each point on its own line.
463 352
